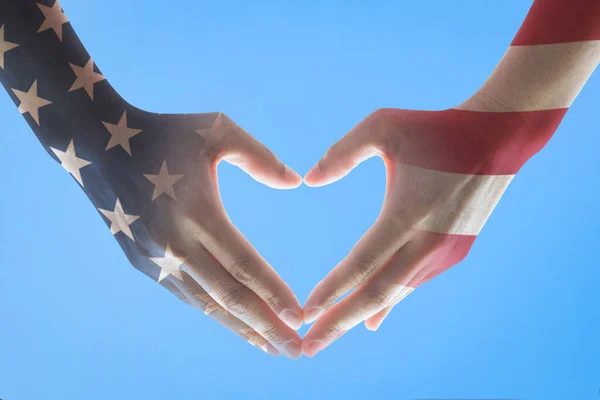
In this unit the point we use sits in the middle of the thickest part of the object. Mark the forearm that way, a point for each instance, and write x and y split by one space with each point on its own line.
518 109
552 56
47 71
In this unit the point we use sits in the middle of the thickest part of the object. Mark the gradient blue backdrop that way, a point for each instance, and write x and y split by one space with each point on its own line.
518 319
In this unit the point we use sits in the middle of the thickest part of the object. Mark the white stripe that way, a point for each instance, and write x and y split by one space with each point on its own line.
444 202
537 77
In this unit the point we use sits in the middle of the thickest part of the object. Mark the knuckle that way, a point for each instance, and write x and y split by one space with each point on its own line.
377 299
200 300
364 268
274 301
272 334
333 330
243 270
237 302
206 304
326 293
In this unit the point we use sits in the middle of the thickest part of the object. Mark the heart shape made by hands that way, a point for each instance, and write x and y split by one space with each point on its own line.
153 178
161 199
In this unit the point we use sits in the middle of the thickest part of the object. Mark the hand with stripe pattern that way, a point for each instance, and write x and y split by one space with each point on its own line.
151 176
446 170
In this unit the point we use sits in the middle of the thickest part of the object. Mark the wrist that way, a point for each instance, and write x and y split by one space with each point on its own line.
539 77
500 143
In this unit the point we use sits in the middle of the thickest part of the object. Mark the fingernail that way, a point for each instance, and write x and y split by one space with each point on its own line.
292 349
271 350
314 347
292 319
313 314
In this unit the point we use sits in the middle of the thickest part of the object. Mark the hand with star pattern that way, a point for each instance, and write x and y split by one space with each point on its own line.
151 176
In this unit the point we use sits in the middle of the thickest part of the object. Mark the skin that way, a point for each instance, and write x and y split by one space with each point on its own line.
152 176
439 191
446 170
223 274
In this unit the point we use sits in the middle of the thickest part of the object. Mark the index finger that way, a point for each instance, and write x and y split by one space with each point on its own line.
231 249
370 254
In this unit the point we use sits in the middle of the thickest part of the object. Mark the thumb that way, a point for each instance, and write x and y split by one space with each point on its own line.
251 156
343 156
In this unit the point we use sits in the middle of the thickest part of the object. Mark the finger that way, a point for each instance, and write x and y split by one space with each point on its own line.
241 302
242 261
373 323
197 297
241 149
428 271
371 253
360 305
341 158
367 300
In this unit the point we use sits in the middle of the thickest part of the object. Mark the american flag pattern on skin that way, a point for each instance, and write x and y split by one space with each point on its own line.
446 170
487 139
142 171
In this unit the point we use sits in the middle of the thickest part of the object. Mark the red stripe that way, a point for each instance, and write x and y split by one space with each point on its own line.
450 250
469 142
560 21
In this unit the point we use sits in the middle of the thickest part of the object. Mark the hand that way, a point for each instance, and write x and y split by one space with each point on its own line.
153 178
446 170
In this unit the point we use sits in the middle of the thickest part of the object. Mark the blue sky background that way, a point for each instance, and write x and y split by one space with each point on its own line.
519 318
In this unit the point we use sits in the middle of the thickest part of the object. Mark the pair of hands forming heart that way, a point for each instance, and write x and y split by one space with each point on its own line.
153 176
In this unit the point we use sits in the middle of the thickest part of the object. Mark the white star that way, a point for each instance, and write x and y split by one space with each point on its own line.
163 182
86 77
4 46
216 125
71 162
169 265
119 221
55 18
30 102
120 134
